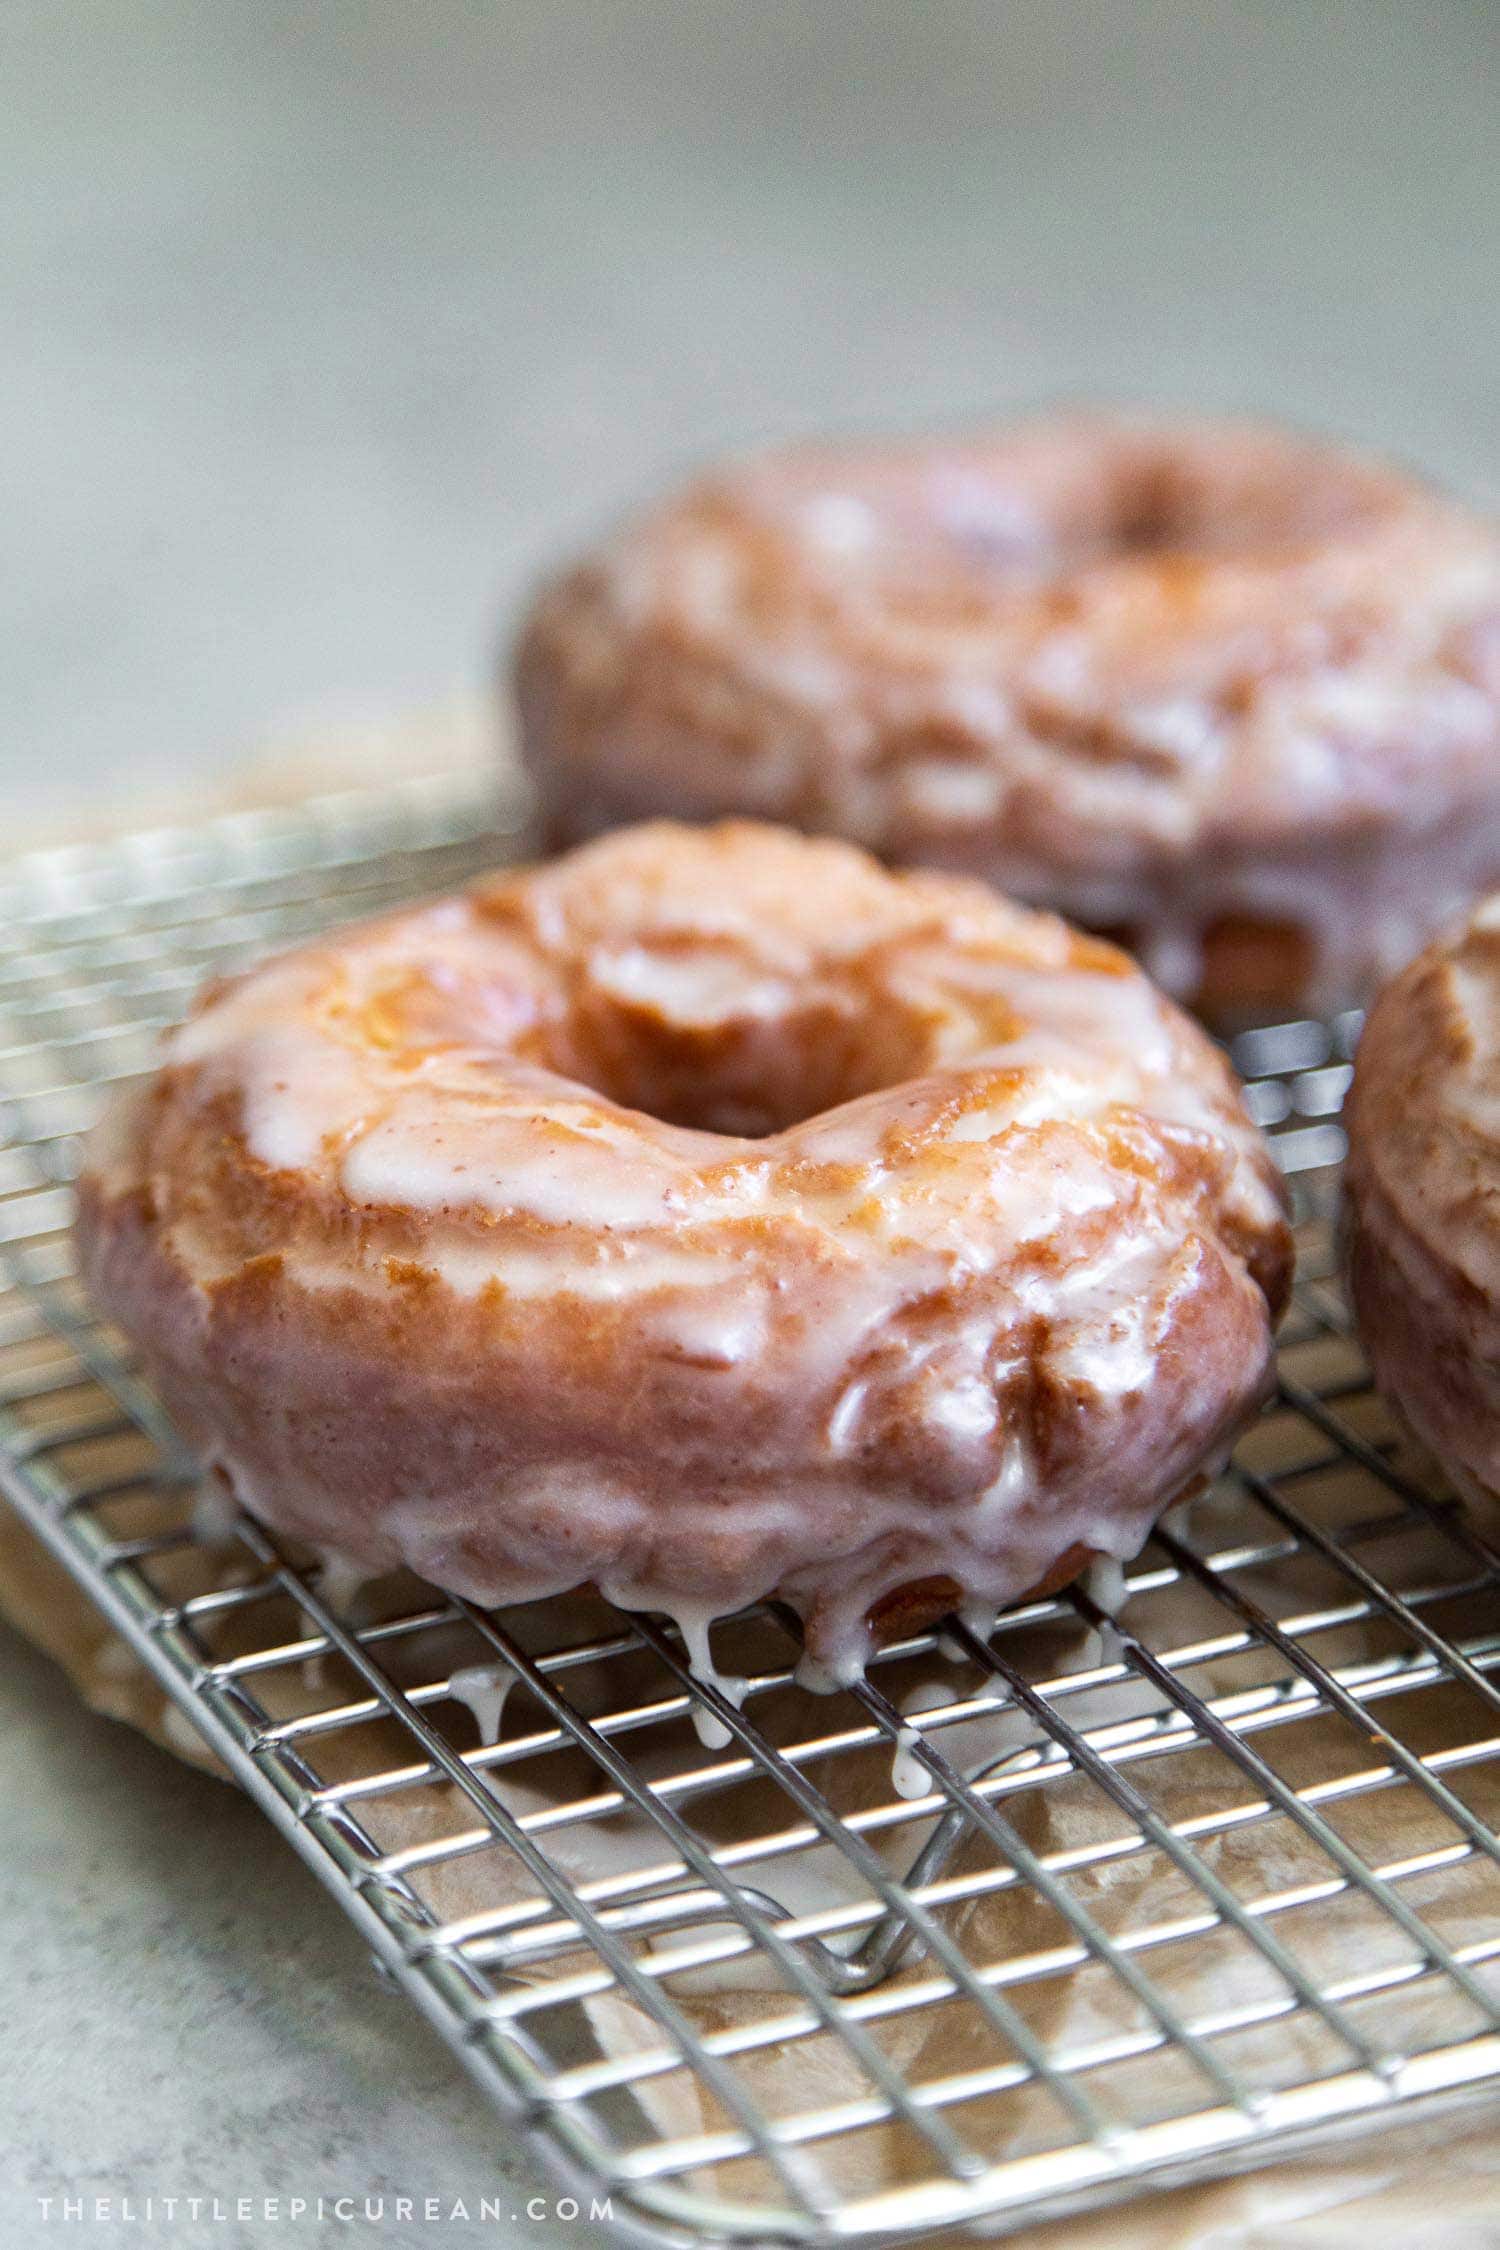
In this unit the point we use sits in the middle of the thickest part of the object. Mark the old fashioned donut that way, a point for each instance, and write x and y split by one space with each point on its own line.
706 1213
1422 1197
1224 693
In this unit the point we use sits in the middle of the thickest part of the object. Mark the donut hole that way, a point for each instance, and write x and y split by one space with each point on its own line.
1257 962
1157 509
1123 511
697 1036
1187 502
1060 502
1241 966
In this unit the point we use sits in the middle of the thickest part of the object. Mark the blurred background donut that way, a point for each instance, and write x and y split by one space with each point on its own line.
1225 692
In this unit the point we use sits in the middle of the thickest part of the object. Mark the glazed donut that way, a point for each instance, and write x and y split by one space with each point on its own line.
703 1214
1227 695
1422 1198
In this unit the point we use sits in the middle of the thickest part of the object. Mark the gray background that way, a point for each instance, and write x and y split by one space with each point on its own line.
323 326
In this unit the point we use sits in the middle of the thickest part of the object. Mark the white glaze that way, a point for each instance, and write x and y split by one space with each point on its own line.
484 1689
1106 1586
909 1777
215 1510
694 1621
341 1581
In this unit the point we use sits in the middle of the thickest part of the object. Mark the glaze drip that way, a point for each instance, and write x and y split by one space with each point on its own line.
909 1777
484 1689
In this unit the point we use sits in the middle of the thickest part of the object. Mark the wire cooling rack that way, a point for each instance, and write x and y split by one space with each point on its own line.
1147 1883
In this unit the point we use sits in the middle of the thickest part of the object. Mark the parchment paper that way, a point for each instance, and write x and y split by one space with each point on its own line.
1433 2183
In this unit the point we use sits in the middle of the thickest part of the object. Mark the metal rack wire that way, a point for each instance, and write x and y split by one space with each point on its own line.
1123 1893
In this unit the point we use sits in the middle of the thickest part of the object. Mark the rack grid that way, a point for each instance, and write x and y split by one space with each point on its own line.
1149 1883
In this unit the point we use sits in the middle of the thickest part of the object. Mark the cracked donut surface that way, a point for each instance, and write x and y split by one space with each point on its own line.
705 1214
1422 1197
1222 691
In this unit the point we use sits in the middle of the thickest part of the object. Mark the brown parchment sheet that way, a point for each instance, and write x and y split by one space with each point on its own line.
1436 2182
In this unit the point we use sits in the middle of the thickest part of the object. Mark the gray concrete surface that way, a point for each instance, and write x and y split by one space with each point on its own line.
323 326
185 2014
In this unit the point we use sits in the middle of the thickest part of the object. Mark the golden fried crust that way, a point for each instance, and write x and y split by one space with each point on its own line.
707 1213
1422 1202
1230 694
